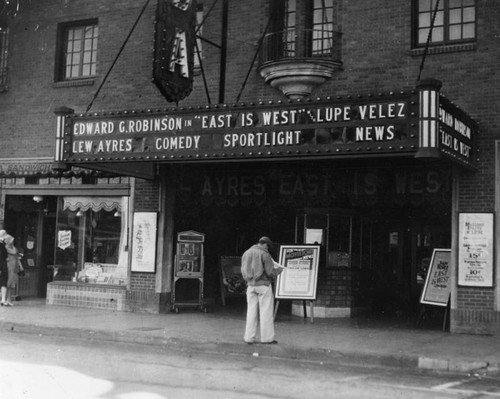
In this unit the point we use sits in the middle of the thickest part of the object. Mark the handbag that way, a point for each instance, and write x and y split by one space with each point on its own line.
21 272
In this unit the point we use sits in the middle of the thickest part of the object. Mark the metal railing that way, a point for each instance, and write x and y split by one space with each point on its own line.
301 43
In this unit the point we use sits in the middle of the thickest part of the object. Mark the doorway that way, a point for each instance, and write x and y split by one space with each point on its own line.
31 221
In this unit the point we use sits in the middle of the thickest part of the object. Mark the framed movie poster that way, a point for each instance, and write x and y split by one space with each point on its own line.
144 242
475 249
437 286
299 278
189 257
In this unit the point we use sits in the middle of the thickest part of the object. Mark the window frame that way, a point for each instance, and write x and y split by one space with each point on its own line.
60 65
297 30
446 41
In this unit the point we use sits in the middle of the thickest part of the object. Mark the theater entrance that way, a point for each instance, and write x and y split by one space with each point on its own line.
376 226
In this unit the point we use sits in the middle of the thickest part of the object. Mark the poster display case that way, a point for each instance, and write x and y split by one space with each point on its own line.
189 265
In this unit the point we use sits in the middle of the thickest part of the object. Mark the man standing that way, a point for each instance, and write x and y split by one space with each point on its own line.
257 268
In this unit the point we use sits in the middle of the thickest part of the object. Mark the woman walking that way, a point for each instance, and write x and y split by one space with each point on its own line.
4 271
13 267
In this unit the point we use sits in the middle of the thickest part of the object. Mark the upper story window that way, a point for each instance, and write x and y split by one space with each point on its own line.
455 22
77 50
303 28
322 25
4 36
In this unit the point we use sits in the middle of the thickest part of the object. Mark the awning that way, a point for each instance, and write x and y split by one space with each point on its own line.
39 167
95 203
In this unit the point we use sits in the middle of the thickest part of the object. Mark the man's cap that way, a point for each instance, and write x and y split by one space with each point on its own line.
266 240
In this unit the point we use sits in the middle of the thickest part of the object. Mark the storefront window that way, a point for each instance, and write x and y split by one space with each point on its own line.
91 240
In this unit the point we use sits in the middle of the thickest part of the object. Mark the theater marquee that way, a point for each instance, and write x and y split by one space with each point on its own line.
324 128
345 127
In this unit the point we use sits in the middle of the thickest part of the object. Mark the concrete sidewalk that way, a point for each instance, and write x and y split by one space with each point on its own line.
347 341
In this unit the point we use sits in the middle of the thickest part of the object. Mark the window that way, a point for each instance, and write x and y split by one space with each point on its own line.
4 35
303 28
455 22
91 240
77 51
322 26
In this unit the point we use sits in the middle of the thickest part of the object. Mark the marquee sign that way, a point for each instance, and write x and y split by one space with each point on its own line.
406 124
386 124
457 132
174 48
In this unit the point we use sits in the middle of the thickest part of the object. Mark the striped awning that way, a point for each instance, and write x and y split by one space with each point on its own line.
95 203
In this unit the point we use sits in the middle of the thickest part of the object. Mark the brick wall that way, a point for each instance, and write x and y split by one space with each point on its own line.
147 196
86 296
377 57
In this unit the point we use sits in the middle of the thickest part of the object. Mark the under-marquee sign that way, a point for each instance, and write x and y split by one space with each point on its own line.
343 127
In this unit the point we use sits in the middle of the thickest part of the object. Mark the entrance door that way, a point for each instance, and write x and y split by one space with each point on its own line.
32 225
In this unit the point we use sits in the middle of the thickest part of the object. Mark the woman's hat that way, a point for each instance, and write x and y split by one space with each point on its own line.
8 239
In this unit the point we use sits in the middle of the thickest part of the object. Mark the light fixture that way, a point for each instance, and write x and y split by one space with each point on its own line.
428 147
37 198
117 214
79 213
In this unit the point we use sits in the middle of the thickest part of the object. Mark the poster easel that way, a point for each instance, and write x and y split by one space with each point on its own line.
436 290
304 305
299 279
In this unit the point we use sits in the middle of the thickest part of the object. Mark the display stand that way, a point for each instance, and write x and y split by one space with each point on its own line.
299 279
232 284
436 291
189 266
304 305
426 313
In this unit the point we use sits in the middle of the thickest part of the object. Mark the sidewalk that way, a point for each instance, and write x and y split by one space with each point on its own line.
352 341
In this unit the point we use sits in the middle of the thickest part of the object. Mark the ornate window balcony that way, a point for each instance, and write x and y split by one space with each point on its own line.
298 61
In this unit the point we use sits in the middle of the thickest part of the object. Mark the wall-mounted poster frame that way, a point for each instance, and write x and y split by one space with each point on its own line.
437 285
475 249
300 277
144 242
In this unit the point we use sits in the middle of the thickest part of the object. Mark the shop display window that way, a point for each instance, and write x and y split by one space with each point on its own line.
91 240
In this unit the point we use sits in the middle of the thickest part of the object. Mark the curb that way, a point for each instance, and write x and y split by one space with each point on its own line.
284 352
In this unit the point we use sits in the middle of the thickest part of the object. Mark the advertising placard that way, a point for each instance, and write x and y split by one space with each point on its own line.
144 242
437 286
300 276
475 249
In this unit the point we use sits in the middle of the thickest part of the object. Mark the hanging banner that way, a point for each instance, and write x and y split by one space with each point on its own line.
144 242
475 249
300 275
437 286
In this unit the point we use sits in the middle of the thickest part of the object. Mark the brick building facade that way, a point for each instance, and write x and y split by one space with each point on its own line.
363 52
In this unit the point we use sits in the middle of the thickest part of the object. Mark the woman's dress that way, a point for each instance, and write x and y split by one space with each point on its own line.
13 267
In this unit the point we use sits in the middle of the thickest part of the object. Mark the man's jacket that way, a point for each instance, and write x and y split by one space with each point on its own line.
257 266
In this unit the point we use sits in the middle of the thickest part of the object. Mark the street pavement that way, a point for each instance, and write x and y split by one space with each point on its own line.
375 341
